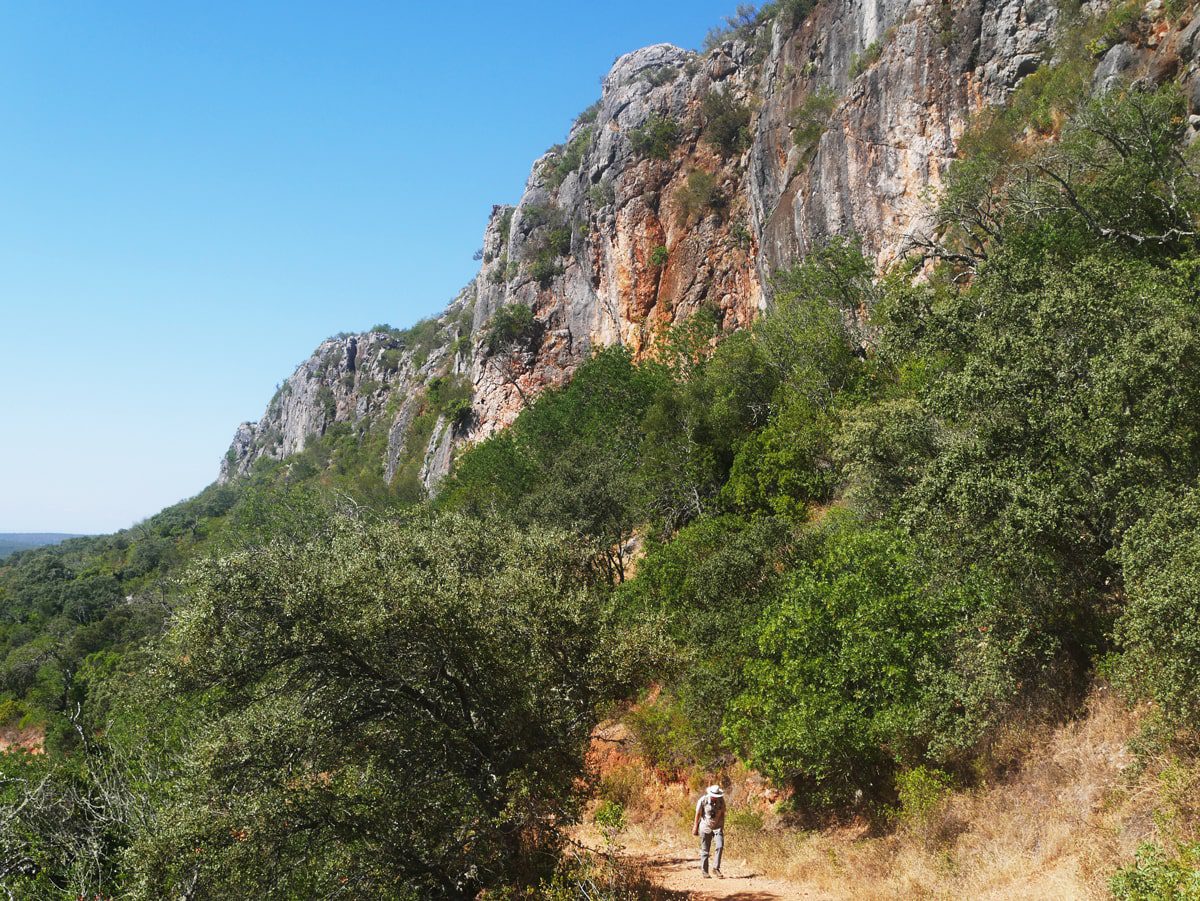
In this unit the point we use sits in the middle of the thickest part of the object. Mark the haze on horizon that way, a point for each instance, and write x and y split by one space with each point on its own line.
197 196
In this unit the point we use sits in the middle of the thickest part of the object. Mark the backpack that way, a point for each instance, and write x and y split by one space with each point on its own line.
713 807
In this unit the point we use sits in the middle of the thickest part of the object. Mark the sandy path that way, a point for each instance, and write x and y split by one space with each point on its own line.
674 865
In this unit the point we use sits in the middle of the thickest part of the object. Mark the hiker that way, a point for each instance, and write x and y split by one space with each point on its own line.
710 826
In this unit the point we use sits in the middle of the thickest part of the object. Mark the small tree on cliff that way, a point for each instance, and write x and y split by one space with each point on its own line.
510 334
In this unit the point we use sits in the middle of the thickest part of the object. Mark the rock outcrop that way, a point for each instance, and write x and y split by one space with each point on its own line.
640 219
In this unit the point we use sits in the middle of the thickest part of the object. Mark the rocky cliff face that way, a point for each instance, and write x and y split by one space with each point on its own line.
901 79
855 114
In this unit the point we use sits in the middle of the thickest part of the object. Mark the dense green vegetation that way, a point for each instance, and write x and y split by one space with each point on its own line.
1007 445
656 137
844 546
726 122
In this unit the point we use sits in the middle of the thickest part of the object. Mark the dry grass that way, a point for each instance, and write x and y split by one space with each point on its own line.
1072 806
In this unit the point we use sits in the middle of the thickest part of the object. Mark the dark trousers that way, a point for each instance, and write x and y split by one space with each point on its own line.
714 841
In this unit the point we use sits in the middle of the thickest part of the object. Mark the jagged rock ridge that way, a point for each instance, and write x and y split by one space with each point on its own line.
603 248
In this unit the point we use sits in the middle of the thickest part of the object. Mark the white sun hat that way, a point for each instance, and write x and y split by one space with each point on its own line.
716 791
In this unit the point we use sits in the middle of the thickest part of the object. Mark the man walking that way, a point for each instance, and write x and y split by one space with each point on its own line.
710 826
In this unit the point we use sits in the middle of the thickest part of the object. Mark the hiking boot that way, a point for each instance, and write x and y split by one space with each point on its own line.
704 873
718 874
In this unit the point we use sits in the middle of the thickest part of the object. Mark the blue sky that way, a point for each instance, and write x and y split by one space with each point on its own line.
194 194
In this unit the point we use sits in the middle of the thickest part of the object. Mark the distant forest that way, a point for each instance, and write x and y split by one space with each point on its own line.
11 542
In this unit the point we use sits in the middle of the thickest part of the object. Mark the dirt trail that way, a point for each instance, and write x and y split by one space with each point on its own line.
673 864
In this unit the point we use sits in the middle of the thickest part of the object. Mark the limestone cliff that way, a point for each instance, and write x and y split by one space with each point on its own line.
854 110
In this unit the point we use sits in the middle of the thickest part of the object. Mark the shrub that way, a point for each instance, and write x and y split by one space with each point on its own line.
444 390
610 817
811 118
506 219
512 324
602 193
326 403
865 663
1155 877
670 739
622 785
464 655
588 116
659 257
922 793
499 273
557 240
745 820
660 76
699 196
726 122
1160 626
544 268
389 360
550 239
739 25
860 62
656 137
459 412
568 160
791 13
11 711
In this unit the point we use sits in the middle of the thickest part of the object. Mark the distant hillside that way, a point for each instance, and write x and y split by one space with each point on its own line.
11 542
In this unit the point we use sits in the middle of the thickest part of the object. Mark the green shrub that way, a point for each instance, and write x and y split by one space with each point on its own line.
1114 26
544 268
602 193
11 711
726 122
699 196
326 403
466 655
610 816
922 793
459 412
670 739
1155 877
1159 629
512 324
660 76
744 820
811 118
864 664
389 359
550 239
444 391
656 137
659 257
740 25
557 241
588 116
568 160
499 273
506 219
861 62
791 13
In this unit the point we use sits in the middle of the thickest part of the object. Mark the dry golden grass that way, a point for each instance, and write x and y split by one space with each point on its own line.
1071 808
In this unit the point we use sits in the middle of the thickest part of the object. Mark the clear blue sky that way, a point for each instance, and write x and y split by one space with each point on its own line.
194 194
